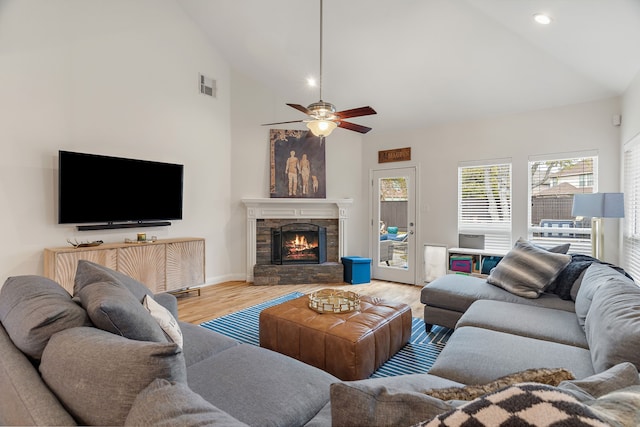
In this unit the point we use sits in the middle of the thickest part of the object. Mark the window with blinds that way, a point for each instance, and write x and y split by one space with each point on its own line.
484 202
631 230
553 181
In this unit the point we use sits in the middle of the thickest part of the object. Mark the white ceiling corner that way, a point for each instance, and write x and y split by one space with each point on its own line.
423 62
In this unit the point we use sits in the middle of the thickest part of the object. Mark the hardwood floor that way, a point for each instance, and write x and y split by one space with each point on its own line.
224 298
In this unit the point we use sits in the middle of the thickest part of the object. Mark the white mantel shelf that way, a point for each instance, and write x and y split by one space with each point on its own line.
294 209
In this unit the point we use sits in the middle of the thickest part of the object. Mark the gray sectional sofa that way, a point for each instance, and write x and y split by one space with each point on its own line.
101 359
109 356
499 331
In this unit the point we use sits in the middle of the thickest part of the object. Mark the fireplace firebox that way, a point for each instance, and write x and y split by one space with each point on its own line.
299 243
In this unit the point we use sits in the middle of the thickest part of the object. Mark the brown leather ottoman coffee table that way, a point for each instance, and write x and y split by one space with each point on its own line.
350 346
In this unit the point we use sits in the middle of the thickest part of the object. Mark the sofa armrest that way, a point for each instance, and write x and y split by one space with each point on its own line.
168 301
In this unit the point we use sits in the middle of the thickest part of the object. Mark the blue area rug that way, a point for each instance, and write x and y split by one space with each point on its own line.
416 357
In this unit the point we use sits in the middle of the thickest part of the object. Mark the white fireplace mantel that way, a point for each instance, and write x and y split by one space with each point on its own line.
295 209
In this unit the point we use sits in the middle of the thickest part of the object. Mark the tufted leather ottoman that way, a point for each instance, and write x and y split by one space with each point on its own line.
350 346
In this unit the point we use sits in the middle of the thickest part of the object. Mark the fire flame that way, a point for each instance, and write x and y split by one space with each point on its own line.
301 242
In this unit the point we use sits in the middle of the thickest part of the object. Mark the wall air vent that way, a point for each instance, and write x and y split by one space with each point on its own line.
207 86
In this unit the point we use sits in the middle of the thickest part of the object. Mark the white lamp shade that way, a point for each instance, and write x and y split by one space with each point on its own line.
598 205
321 127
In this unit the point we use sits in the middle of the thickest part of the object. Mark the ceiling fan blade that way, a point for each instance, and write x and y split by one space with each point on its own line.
281 123
300 108
354 127
355 112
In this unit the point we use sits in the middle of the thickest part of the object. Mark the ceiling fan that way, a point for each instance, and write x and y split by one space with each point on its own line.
323 117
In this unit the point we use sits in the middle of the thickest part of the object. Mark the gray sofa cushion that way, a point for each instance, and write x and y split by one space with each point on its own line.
33 308
528 321
613 324
322 418
595 276
201 343
477 356
457 292
89 272
169 404
526 270
261 387
97 375
113 308
355 404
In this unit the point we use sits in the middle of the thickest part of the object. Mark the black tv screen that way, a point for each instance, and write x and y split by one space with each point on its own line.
94 189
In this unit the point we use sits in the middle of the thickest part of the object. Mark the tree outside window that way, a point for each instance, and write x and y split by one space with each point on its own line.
553 183
484 203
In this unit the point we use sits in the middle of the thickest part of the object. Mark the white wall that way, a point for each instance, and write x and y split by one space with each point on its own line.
438 150
113 77
631 110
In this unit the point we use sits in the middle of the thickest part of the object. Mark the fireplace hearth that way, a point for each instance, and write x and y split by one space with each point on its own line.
298 243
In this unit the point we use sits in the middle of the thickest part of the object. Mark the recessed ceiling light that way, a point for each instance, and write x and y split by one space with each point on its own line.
311 82
542 18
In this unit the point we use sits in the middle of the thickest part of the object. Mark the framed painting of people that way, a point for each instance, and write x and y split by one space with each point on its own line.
297 165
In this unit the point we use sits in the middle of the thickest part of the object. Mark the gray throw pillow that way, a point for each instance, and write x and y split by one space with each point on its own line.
89 272
97 375
33 308
114 309
526 270
612 326
619 376
168 404
559 249
619 408
358 403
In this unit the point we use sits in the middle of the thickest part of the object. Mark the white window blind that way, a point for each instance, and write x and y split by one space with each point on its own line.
631 233
553 181
484 202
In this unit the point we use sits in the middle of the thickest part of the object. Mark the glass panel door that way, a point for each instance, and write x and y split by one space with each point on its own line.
393 228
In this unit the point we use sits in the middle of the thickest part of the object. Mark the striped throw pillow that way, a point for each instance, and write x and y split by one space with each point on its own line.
527 270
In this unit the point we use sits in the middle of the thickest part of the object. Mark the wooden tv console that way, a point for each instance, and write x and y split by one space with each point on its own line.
169 265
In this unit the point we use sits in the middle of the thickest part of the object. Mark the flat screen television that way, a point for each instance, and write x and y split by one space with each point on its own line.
115 190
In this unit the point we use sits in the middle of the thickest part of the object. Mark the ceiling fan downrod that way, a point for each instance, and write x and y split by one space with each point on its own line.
323 117
321 37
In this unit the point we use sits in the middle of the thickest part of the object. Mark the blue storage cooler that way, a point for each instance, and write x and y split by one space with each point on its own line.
356 269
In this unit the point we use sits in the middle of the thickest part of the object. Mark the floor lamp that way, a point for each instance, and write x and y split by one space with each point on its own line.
597 206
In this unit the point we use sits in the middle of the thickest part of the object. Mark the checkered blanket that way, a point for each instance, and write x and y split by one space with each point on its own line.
526 404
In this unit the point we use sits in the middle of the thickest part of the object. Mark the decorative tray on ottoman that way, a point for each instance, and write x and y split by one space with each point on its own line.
334 301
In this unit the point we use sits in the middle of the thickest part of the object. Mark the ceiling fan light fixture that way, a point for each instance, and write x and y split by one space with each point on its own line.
323 116
542 18
321 128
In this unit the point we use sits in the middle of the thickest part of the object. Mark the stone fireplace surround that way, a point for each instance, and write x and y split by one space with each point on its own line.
294 210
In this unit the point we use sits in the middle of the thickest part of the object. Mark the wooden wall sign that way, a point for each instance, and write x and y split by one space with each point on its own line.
395 155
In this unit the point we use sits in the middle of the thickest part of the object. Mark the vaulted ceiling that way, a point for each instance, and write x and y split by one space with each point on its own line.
423 62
